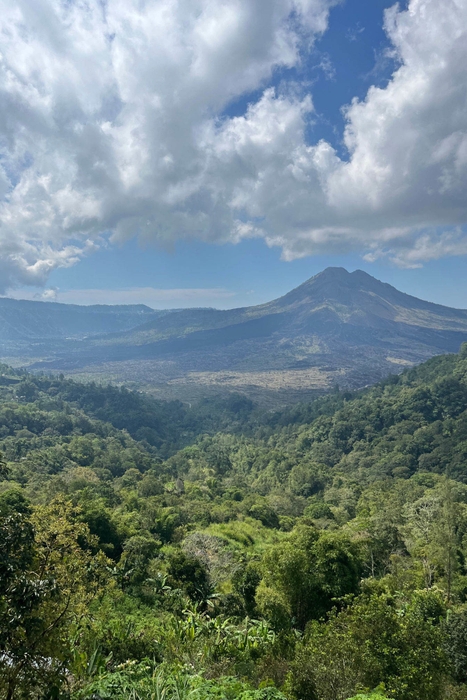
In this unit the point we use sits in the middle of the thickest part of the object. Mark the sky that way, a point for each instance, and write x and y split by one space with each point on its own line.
220 152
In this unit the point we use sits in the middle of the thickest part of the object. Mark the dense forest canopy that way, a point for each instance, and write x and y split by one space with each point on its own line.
152 549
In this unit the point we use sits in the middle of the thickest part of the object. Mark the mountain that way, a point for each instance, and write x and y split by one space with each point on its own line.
338 327
26 321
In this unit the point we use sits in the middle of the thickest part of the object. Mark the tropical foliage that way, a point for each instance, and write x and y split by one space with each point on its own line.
153 550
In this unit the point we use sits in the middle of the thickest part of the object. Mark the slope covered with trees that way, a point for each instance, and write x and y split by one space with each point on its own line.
151 550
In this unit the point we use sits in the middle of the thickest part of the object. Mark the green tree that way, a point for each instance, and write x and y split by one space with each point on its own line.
191 575
308 571
47 581
379 640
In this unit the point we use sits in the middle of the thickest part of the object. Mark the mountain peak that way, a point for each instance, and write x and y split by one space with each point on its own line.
337 275
330 276
332 284
332 272
354 289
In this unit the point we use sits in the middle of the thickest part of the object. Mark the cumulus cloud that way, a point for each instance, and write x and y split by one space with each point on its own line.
112 123
402 191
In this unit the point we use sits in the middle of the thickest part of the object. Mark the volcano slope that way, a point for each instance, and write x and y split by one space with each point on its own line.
337 328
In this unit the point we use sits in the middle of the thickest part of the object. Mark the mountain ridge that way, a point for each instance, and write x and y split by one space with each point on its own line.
338 326
23 319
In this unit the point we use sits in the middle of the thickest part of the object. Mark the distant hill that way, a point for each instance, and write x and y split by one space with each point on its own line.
23 321
338 327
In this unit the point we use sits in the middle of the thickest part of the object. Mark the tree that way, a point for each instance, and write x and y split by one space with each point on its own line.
137 554
309 570
48 577
4 471
379 640
432 533
456 642
190 574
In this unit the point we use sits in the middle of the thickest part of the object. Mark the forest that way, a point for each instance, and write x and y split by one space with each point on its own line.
152 550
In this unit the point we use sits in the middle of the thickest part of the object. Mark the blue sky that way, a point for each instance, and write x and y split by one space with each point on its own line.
236 275
226 167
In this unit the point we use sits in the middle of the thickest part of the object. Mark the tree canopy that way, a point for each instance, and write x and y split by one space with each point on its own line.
152 549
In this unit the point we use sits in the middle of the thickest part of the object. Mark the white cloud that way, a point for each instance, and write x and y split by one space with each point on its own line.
406 176
48 294
111 122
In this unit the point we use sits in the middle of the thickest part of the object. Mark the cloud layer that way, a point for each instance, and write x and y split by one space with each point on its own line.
112 121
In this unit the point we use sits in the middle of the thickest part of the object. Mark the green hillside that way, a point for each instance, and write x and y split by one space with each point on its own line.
151 550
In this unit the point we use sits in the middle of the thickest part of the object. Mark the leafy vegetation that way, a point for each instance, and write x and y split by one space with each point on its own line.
153 550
